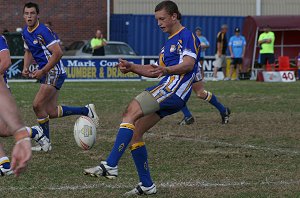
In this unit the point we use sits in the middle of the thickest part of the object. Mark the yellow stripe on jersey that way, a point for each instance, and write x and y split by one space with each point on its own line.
197 49
127 126
136 145
188 87
161 60
168 95
156 88
172 78
43 120
175 33
5 161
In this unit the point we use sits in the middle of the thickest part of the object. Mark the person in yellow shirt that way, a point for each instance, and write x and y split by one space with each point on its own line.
98 44
266 43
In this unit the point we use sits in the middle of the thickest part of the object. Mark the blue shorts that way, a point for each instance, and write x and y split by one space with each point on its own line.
170 105
54 79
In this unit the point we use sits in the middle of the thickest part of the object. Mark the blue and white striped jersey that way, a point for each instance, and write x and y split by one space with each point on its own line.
38 41
182 43
3 46
3 43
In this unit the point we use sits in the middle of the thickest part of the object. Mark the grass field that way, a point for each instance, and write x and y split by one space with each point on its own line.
256 155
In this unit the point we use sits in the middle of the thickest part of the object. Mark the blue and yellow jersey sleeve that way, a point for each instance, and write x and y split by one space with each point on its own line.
3 44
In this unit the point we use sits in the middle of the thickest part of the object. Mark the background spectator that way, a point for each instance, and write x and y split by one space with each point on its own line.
204 45
266 43
237 46
98 44
221 48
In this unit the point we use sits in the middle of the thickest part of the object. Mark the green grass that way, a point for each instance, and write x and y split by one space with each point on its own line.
256 155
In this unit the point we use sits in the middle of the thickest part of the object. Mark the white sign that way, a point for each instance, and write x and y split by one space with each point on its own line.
282 76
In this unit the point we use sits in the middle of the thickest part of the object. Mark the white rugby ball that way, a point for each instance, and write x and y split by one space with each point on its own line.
85 132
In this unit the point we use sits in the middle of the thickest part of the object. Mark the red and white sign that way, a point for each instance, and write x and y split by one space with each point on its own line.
281 76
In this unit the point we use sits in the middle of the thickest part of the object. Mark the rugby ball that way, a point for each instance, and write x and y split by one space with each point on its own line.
85 132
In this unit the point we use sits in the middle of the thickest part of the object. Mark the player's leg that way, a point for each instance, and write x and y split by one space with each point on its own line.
188 117
41 104
56 111
223 65
232 65
202 68
138 148
140 156
143 104
237 70
4 160
217 64
4 163
198 88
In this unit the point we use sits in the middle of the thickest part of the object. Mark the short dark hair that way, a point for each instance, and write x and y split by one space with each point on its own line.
170 7
32 5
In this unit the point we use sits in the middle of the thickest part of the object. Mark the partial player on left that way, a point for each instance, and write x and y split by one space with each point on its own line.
11 123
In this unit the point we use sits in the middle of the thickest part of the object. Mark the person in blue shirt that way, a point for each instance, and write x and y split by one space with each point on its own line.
11 123
237 46
204 45
41 45
178 60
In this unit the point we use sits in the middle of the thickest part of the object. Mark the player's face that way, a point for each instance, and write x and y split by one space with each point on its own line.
165 21
31 17
198 32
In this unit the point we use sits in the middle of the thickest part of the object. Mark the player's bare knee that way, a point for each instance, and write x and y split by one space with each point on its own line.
37 107
137 137
201 94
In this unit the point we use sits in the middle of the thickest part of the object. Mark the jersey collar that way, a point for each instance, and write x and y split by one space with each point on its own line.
176 32
37 25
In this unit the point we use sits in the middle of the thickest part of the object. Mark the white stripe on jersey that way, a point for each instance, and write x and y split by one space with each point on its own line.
185 88
59 67
3 49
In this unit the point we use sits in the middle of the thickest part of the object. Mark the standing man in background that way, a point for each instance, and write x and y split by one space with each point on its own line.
204 45
220 52
237 46
98 44
266 44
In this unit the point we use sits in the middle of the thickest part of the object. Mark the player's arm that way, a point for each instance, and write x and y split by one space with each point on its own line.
155 71
5 61
27 61
53 60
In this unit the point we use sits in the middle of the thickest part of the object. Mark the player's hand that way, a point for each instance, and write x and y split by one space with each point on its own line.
158 70
21 154
38 74
124 66
25 72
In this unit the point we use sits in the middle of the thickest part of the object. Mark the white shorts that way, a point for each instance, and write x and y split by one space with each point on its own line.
198 76
220 61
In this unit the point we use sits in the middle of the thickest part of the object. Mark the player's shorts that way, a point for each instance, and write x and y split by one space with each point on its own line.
267 57
5 81
169 105
220 61
198 75
236 61
54 79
